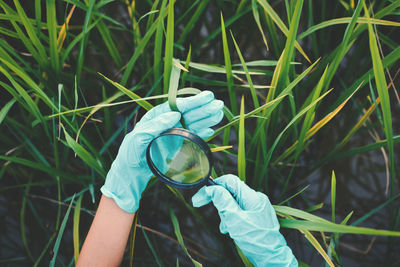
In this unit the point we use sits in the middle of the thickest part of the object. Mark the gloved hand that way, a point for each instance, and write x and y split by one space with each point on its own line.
129 173
249 219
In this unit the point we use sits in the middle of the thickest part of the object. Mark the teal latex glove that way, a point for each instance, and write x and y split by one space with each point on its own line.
129 173
250 220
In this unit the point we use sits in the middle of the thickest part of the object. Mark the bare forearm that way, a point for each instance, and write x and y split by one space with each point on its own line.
106 241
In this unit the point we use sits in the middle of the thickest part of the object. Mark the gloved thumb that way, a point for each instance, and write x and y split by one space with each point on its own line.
220 197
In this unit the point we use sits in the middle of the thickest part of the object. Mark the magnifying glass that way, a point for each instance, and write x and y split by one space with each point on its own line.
180 158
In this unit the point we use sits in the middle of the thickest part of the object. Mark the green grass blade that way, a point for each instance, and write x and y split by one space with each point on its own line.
75 229
281 25
30 30
381 87
153 251
146 105
158 42
51 26
228 68
333 22
4 110
169 46
245 260
187 63
333 195
108 41
334 228
256 16
173 85
180 239
241 145
60 234
249 80
82 47
84 154
22 222
194 18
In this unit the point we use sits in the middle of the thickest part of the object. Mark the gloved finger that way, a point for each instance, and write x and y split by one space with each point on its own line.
206 122
188 103
247 198
159 124
184 104
203 111
205 133
221 198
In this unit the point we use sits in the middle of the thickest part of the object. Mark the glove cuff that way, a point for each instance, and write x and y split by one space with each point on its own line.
130 206
125 186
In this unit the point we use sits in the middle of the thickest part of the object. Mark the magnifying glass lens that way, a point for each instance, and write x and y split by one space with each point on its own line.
179 159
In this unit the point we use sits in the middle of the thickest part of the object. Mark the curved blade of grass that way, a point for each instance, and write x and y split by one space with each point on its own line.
183 91
333 195
387 61
381 87
227 23
169 46
63 31
249 80
366 148
228 68
293 196
314 242
173 85
153 251
138 51
60 234
298 115
51 27
109 42
30 30
218 69
179 237
245 260
84 154
75 229
187 64
4 110
247 115
346 20
281 25
344 45
22 221
334 228
146 105
313 130
158 42
21 35
194 18
82 47
241 145
256 17
76 40
133 238
284 92
31 105
39 166
46 247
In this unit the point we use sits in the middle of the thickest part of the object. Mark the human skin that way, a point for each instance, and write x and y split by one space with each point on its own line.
106 241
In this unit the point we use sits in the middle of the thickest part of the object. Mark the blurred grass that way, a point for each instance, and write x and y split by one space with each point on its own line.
99 64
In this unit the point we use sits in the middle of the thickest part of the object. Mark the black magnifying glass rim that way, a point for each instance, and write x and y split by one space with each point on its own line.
193 138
